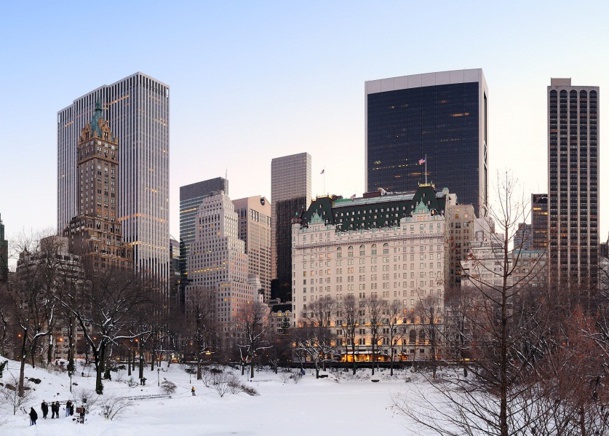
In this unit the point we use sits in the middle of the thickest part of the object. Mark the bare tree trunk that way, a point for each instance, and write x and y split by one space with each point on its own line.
22 364
50 350
141 361
100 358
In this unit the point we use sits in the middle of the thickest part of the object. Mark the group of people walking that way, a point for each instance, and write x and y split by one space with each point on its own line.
54 411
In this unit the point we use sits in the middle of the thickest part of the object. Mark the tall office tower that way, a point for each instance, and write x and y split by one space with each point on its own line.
95 232
440 117
137 108
218 265
539 221
191 197
523 237
255 230
3 254
573 156
460 220
287 213
174 273
290 179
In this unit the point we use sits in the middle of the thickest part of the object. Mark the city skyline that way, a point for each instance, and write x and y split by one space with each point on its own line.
268 81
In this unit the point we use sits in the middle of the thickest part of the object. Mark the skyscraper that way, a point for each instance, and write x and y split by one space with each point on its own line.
218 264
573 157
434 122
191 197
255 230
290 179
539 221
3 254
137 108
95 232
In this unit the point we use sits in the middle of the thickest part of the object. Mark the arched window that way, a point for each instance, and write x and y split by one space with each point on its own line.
422 336
373 252
339 253
350 251
412 336
385 248
362 250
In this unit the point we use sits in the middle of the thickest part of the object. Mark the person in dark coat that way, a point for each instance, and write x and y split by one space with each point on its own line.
45 409
68 408
55 409
33 416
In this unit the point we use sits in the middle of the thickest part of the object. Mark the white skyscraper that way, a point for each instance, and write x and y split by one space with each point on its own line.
217 263
137 108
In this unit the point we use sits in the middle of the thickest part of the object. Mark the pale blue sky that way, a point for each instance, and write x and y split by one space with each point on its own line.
255 80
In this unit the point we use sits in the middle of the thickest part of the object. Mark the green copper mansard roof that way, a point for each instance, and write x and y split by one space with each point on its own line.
95 128
375 210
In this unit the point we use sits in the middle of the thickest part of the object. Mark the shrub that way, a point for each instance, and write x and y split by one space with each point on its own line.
112 407
86 396
249 390
168 387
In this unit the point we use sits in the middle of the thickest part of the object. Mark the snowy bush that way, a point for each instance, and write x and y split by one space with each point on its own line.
249 390
10 399
227 382
211 376
120 373
86 396
112 406
207 378
2 366
296 377
234 384
168 387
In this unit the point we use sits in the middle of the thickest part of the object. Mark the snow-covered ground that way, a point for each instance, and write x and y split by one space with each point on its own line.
337 405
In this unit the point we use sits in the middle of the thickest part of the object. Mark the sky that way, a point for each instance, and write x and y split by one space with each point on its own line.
251 81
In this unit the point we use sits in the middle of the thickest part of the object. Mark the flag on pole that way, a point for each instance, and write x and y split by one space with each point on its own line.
421 161
323 171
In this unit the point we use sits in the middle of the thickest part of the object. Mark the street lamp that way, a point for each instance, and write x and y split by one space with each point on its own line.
158 376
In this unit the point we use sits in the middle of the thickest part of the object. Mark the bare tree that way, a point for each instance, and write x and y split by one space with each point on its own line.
31 298
429 311
505 334
349 322
375 308
394 313
314 338
252 325
104 308
201 324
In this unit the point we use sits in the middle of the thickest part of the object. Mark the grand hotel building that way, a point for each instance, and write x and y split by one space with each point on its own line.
392 247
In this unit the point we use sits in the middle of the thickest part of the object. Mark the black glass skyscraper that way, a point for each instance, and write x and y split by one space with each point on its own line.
440 117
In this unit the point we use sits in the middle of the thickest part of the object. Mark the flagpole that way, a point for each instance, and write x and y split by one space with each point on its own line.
426 168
